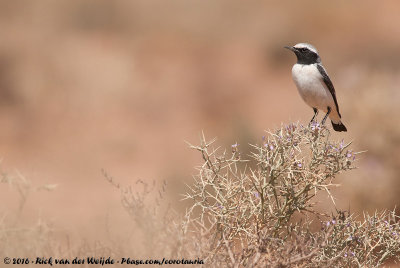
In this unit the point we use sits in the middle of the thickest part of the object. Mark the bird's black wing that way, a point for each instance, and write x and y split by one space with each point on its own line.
329 85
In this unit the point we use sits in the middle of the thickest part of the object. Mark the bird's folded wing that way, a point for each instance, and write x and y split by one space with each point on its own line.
329 85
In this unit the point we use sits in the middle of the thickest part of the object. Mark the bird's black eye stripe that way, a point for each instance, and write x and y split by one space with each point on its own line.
302 49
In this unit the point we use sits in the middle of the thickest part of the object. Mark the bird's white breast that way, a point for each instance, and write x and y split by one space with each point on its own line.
311 86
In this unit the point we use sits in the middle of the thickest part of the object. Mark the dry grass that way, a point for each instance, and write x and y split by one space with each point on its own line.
246 211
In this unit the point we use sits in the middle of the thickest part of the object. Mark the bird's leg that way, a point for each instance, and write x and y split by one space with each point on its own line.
326 116
315 115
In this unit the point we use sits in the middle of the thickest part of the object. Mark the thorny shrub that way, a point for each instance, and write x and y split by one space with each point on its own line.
259 212
246 211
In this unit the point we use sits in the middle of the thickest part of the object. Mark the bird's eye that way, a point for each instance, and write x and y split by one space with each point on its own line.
303 49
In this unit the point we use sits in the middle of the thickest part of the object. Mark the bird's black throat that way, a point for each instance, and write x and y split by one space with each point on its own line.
307 57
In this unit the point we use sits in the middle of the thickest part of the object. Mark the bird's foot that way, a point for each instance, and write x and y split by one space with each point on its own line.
313 121
314 125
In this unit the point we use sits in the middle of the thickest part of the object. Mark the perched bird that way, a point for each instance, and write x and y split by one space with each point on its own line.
314 85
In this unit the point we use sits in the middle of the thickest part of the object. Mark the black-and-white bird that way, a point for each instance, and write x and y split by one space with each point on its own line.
314 84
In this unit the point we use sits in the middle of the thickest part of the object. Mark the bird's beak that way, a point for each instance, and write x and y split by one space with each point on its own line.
290 48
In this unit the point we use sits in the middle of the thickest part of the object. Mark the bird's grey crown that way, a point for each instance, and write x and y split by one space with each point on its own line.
306 45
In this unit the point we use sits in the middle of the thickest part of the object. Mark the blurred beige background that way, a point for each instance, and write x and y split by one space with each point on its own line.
120 85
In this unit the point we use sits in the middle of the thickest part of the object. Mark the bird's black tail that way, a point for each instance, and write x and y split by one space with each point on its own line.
339 126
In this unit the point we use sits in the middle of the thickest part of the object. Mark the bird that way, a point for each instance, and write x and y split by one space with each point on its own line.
314 85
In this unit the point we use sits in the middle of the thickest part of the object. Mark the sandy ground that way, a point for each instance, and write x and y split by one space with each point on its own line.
121 87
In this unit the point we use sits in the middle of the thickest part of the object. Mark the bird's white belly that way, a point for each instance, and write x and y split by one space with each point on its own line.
311 87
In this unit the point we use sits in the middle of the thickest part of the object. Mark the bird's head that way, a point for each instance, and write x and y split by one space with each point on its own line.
306 53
